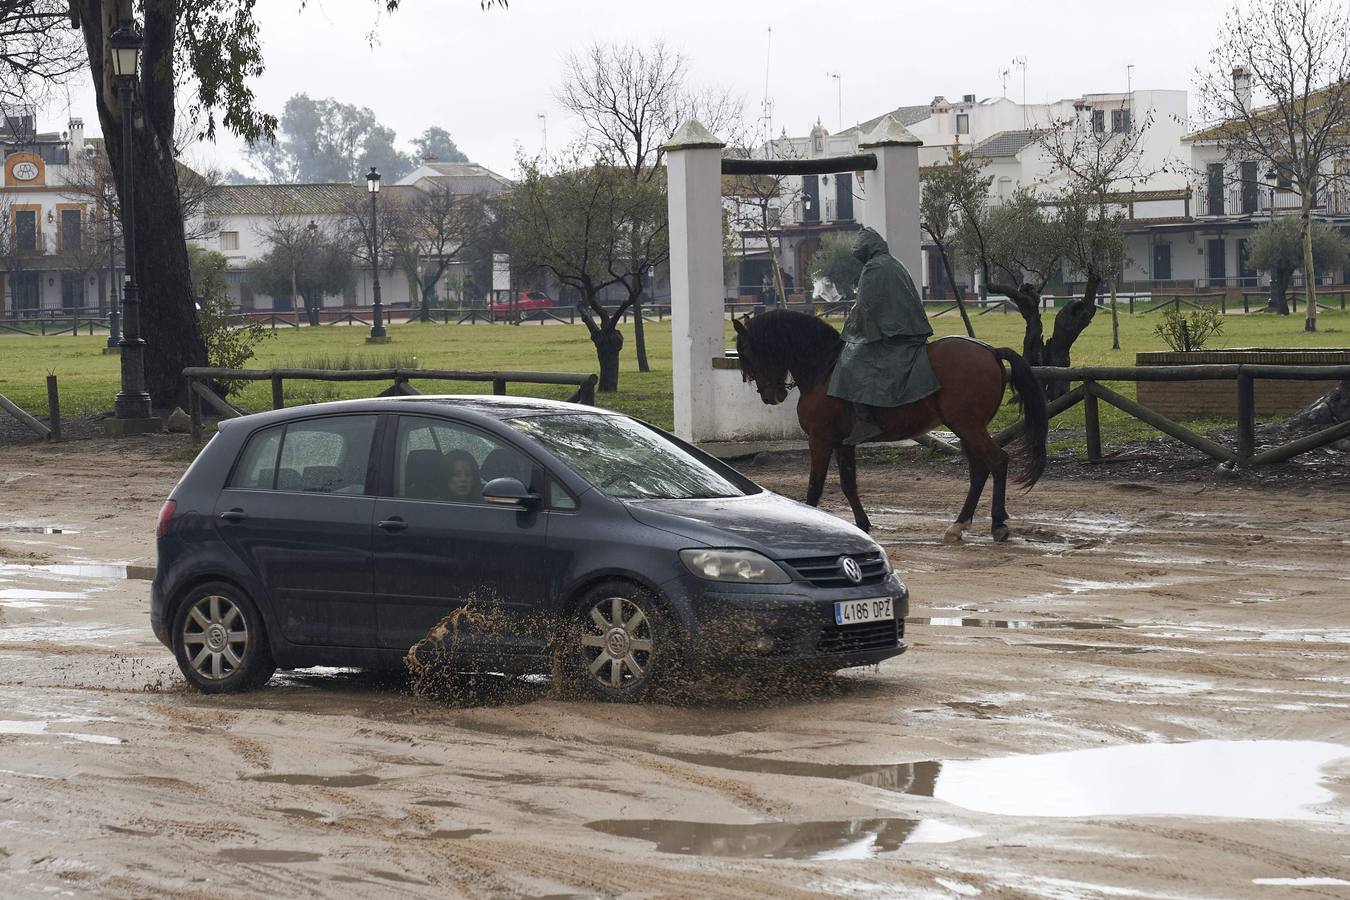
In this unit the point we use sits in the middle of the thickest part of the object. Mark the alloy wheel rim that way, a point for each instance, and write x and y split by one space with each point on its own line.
617 643
215 637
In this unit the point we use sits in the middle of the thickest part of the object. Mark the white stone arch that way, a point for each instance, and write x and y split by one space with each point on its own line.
711 402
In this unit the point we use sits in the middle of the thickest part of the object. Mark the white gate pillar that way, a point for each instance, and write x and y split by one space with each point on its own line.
697 306
891 204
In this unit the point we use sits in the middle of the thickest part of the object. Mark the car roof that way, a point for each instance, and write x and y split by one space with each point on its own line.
466 406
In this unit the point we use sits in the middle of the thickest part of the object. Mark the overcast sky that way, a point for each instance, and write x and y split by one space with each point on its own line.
485 76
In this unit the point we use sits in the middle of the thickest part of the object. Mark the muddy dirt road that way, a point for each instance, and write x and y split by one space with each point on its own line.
1145 693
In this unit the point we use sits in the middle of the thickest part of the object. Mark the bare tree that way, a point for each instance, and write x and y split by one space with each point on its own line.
293 238
37 48
631 99
756 203
566 215
427 229
946 191
1277 90
1094 167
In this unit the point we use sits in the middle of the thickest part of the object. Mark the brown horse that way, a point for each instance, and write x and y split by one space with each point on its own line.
782 349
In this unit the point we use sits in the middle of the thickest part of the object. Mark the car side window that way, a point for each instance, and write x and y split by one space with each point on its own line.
326 456
257 467
439 460
558 497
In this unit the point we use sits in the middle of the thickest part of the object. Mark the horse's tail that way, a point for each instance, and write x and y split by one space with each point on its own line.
1031 398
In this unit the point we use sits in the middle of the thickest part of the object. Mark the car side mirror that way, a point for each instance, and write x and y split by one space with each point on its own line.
509 492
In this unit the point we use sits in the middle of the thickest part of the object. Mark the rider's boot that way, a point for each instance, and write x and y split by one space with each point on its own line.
865 425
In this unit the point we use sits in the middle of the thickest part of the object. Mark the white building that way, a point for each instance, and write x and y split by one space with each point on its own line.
1005 135
52 239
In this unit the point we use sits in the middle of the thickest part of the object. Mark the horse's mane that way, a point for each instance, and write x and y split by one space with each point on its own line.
805 345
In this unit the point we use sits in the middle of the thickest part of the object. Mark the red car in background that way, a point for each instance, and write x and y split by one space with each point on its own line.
522 305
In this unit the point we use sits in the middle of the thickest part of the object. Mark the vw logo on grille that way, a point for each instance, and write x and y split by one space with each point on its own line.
852 571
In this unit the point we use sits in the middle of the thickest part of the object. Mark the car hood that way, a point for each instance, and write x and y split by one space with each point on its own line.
775 526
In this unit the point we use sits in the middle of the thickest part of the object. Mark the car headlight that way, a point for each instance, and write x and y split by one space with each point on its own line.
886 559
740 566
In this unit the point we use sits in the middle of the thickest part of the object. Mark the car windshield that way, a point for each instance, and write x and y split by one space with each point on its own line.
625 459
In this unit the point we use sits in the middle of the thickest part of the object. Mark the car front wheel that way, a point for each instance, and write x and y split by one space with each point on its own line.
220 642
624 643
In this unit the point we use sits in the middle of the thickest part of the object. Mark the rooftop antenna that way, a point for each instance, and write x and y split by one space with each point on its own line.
839 83
543 117
767 103
1003 74
1021 63
1129 79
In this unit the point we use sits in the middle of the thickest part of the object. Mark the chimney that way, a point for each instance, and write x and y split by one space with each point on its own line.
1242 89
968 99
1083 115
76 145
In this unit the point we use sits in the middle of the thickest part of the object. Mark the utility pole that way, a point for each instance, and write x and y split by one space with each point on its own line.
839 84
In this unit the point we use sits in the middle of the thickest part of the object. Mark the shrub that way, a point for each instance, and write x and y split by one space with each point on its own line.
1191 331
228 346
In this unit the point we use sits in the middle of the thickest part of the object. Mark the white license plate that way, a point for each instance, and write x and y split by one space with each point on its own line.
857 612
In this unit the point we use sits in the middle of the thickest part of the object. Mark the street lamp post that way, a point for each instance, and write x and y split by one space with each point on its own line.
114 308
311 244
132 407
377 333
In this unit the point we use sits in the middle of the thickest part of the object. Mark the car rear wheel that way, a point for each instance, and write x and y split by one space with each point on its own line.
624 643
220 642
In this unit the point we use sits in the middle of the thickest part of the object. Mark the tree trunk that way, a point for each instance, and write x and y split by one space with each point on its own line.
956 289
1115 319
640 335
168 311
1279 292
1309 270
608 342
1075 316
1028 302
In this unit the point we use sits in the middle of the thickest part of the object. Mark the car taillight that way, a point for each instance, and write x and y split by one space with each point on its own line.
165 514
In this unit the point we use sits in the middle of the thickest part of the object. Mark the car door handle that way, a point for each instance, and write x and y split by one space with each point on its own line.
393 524
234 515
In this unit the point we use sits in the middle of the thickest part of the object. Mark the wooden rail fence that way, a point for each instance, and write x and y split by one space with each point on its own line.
199 392
51 430
1090 391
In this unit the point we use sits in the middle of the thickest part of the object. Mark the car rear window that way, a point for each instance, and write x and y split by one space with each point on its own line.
322 456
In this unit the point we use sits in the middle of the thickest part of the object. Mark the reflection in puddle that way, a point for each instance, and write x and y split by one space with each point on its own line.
36 529
34 727
1060 647
456 834
848 839
1230 779
1011 623
254 855
905 778
81 570
324 780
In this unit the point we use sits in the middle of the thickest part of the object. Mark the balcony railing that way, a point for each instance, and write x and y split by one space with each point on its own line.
1234 201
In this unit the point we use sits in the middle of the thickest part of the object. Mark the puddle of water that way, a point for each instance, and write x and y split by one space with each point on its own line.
323 780
64 634
28 726
21 594
1310 881
847 839
905 778
297 813
1227 779
82 570
445 804
254 855
1012 623
36 529
456 834
1089 648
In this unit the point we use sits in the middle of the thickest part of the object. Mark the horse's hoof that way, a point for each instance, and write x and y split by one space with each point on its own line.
1001 533
953 535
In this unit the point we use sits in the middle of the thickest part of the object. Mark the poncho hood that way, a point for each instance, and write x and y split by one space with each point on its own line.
869 243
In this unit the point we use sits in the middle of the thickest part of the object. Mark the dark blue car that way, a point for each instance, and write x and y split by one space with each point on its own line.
532 531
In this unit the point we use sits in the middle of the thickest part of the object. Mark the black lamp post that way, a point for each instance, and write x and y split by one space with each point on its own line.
377 332
311 242
114 308
133 401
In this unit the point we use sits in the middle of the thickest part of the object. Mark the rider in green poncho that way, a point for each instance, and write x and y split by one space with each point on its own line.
884 361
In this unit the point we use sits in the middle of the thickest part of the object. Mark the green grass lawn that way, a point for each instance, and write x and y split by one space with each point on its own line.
88 379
